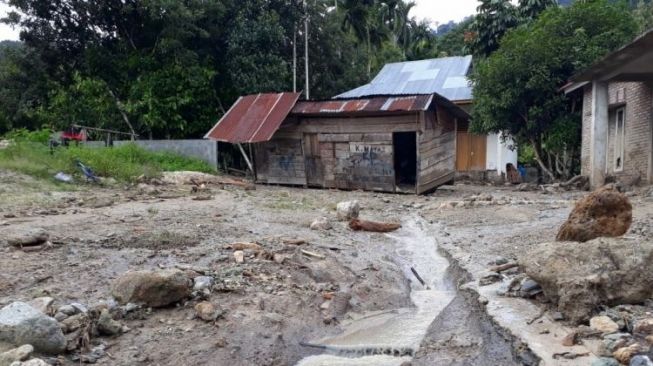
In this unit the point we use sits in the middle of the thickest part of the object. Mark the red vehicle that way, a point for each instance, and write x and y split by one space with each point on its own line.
73 134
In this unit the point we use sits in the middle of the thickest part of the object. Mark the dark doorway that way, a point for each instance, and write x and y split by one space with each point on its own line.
405 156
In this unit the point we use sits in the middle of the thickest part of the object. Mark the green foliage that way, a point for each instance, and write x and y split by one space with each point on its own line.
453 42
124 163
516 89
643 14
24 135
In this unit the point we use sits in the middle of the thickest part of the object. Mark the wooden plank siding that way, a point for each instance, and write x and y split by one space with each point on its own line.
357 152
437 150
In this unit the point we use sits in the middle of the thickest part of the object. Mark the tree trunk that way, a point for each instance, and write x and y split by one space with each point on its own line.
537 147
122 113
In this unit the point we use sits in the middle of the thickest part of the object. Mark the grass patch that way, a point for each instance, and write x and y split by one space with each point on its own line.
124 163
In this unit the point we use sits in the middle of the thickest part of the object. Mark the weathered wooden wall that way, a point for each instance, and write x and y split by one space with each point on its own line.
436 160
356 152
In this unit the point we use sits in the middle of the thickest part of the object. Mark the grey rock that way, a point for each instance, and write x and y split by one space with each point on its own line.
614 341
202 282
489 279
106 325
27 237
42 304
80 308
68 310
605 361
577 276
22 324
32 362
321 223
347 210
60 317
17 354
641 360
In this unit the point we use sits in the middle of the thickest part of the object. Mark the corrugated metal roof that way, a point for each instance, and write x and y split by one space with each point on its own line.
413 103
446 76
253 118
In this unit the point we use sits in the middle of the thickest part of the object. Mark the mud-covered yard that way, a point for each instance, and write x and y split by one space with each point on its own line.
281 298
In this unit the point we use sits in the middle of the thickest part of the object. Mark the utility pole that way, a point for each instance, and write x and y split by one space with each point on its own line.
308 93
294 60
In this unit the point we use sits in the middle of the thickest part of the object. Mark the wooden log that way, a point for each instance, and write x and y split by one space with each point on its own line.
244 246
504 267
372 226
294 241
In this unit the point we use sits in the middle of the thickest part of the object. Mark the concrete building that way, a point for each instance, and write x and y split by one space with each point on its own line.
476 155
617 134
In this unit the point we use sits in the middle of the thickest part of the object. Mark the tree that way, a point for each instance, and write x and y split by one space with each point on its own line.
453 42
643 14
494 19
516 89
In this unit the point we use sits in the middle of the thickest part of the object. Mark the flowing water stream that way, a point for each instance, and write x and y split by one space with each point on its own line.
389 338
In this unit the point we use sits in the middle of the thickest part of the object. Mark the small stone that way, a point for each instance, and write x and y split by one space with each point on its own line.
17 354
649 339
605 361
489 279
321 223
28 237
570 339
643 327
42 304
67 309
79 308
624 354
641 360
60 317
239 256
221 343
614 341
557 316
32 362
106 325
347 210
202 282
206 311
604 324
73 323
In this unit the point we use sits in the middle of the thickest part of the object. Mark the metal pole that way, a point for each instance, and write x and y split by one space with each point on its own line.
294 60
308 93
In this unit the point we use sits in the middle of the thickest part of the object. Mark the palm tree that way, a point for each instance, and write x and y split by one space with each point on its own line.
357 19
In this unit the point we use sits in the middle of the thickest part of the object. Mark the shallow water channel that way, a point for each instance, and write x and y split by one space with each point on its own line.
389 338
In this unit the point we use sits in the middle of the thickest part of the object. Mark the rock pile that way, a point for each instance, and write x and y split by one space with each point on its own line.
603 213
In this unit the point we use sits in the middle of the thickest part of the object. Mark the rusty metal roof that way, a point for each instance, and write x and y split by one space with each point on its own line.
253 118
412 103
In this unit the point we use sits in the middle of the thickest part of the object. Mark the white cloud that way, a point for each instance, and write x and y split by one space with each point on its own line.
5 31
442 11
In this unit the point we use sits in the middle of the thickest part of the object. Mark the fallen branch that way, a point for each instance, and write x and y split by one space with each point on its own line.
504 267
372 226
312 254
419 278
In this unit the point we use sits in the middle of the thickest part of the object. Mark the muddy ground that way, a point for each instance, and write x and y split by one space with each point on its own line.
268 307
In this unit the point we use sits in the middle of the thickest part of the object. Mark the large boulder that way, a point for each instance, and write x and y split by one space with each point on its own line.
152 288
22 324
580 276
605 212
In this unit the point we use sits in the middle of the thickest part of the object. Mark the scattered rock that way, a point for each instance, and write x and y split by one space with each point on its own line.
604 213
641 360
624 354
570 339
206 311
577 277
32 362
605 361
17 354
643 327
239 256
73 323
42 304
321 223
22 324
152 288
27 237
613 342
202 282
603 324
106 325
68 310
338 307
373 226
489 279
347 210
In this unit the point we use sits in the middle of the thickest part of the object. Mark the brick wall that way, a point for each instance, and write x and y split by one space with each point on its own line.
637 98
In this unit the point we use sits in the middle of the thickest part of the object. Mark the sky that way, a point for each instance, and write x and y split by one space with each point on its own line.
440 11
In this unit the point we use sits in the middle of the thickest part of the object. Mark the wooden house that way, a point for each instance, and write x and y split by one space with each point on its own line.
390 144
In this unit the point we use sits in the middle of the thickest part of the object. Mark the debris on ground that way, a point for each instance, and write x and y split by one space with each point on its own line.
63 177
27 237
321 223
373 226
605 212
578 276
152 288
